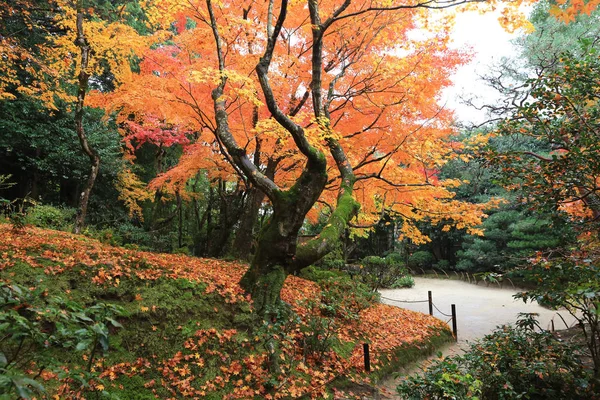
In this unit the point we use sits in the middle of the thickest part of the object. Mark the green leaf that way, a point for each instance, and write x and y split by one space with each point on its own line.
22 385
100 329
114 323
103 342
84 344
83 317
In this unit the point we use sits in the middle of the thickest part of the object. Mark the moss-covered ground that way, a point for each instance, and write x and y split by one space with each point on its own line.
189 331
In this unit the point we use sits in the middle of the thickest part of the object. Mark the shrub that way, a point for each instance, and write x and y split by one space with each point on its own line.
443 265
444 379
33 336
395 259
571 279
373 261
317 274
421 259
382 272
334 263
128 234
511 363
345 298
51 217
406 281
466 265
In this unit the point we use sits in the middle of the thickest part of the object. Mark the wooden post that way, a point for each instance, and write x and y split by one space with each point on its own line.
367 357
430 302
454 328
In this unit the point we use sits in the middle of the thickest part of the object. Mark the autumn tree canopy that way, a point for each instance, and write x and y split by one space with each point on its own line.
317 109
328 107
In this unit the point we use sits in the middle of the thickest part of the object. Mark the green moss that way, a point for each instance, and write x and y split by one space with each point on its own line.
266 289
329 237
22 273
412 352
344 349
172 308
316 274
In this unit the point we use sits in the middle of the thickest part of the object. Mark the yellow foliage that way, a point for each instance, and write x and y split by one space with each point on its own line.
132 191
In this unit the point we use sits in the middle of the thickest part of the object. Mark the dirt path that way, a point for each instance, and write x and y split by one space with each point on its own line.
479 310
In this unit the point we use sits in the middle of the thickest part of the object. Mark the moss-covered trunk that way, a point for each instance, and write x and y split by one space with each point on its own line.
277 241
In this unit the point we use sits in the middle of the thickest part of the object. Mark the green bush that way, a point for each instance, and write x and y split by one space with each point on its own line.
34 328
316 274
395 259
345 298
443 265
107 235
373 261
130 235
443 379
51 217
466 265
406 281
341 296
380 272
334 263
421 259
511 363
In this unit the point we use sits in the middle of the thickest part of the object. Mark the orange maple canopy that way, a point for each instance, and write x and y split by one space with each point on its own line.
380 85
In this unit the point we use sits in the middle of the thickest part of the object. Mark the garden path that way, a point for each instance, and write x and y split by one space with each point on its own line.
479 310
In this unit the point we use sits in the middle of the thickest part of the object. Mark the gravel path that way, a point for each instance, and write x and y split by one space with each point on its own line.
479 310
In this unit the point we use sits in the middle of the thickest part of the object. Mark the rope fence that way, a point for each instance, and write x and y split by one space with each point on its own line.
431 307
405 301
440 311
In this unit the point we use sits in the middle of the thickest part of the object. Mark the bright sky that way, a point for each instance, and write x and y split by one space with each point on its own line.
490 42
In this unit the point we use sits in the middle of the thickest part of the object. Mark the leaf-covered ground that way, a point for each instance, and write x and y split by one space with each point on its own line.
188 328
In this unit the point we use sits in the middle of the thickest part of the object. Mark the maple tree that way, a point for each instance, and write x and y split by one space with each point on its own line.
320 107
68 43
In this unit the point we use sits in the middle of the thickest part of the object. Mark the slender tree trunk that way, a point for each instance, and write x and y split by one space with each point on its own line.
180 220
242 244
35 192
84 197
244 237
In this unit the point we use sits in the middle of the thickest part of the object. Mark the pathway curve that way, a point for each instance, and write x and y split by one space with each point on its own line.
479 310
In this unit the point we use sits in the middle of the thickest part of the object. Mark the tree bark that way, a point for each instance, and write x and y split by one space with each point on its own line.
229 213
244 237
83 80
277 241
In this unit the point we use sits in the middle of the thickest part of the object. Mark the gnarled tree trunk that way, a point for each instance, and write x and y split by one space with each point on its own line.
276 250
277 254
